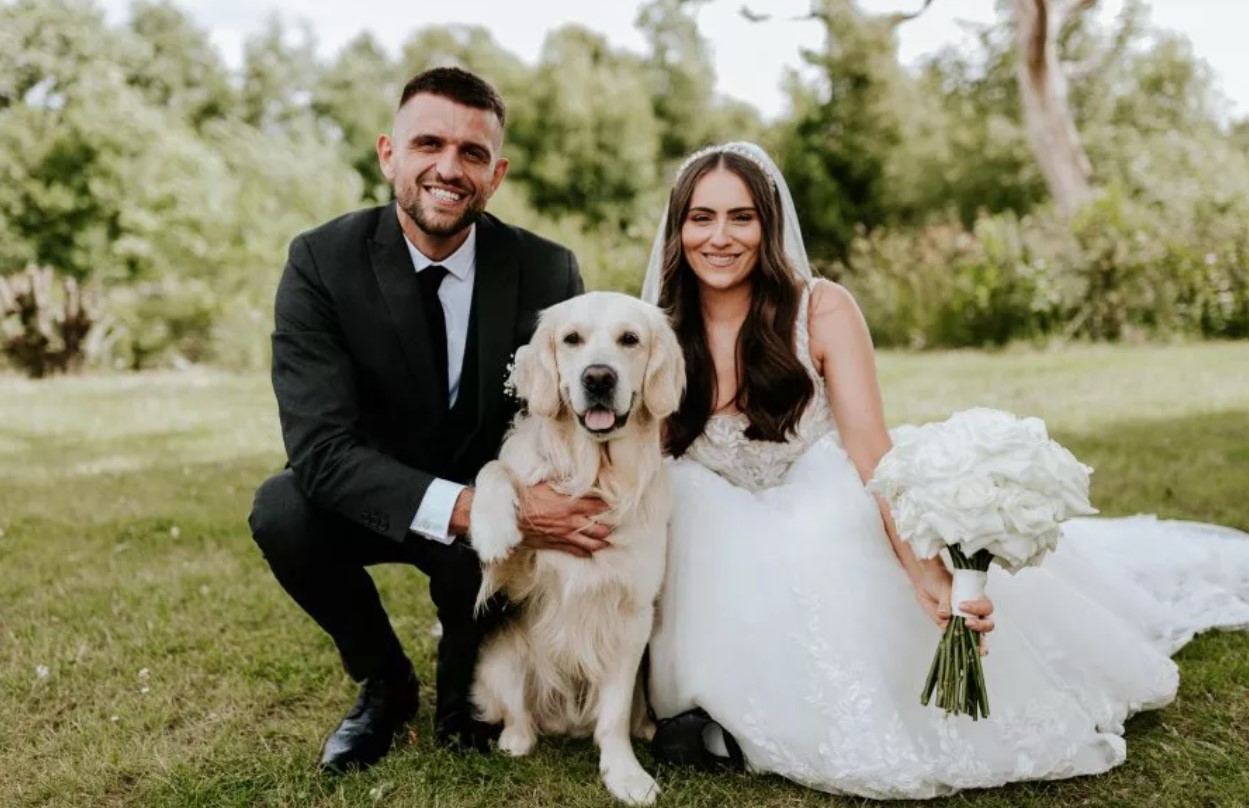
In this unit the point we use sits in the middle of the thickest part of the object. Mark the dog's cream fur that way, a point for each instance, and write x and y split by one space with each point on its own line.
569 663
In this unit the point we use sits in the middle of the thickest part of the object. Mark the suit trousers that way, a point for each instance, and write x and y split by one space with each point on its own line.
319 558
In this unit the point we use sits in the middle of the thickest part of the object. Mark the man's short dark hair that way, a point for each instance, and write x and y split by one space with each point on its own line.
459 86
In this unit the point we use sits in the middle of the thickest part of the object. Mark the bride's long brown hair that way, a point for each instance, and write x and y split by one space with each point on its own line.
774 387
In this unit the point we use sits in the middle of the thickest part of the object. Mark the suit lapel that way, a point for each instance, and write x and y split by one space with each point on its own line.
401 292
495 302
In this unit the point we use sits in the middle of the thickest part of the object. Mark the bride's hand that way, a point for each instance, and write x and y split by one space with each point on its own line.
932 590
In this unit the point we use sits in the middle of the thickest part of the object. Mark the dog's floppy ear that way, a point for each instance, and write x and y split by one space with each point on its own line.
665 370
536 376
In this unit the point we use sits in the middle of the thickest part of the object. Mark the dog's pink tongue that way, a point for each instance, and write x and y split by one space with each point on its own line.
600 419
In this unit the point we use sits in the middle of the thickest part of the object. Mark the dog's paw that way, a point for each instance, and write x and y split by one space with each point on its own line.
495 542
517 741
631 785
494 532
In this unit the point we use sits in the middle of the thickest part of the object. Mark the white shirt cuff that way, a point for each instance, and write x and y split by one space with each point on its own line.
433 517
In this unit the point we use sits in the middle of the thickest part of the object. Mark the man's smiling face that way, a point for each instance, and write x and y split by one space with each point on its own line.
443 159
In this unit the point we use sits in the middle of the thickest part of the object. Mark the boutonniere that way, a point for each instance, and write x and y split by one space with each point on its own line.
509 380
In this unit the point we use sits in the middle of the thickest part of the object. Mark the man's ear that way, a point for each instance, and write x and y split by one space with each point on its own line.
500 171
386 153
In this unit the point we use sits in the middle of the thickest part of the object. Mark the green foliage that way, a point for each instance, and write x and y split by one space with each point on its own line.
846 129
611 258
175 66
280 70
133 159
949 285
681 77
1121 270
356 99
585 101
979 160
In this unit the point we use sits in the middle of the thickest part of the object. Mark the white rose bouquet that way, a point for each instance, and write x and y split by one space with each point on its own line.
986 486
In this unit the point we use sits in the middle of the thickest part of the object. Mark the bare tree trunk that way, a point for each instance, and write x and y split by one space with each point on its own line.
1043 89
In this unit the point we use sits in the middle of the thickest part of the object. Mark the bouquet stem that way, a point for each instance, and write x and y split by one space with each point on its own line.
956 677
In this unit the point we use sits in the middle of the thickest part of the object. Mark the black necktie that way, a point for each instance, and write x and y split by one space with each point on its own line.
431 278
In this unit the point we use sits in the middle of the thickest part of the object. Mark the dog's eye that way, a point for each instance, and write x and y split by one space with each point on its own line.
572 338
628 339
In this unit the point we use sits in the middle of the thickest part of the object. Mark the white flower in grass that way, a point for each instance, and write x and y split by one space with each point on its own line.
114 719
436 629
41 672
145 690
144 673
175 532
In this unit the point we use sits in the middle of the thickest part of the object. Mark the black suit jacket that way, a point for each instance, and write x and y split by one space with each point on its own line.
363 418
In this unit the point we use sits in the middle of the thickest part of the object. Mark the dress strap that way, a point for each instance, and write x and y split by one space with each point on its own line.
802 331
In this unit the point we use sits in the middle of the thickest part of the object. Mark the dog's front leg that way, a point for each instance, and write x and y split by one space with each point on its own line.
622 774
494 532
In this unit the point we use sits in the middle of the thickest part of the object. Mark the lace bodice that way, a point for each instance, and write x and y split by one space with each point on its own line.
755 464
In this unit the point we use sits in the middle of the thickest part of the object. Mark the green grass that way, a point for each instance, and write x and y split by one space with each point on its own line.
123 503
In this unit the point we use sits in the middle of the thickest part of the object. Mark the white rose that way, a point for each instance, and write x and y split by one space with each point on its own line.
924 540
959 511
1009 468
1013 553
943 458
1028 513
1068 480
974 492
992 431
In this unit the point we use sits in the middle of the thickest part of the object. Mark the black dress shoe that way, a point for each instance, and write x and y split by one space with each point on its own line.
680 741
364 737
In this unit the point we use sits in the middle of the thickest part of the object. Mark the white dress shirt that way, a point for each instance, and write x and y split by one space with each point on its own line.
433 517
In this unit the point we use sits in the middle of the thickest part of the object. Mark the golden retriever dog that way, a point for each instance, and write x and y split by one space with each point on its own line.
601 374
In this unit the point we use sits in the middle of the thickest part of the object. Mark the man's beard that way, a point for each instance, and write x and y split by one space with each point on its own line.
410 202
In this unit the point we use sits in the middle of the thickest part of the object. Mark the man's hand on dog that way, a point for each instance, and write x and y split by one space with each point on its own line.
549 520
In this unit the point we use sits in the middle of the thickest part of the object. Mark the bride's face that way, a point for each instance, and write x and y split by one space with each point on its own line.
722 232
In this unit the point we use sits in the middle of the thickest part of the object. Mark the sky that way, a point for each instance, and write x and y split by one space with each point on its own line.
750 59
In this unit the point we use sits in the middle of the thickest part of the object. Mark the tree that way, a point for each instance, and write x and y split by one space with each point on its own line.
680 75
357 96
471 47
984 163
1051 128
842 150
587 135
279 77
95 171
176 66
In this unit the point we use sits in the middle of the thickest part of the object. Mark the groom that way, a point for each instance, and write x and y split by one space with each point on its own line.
394 328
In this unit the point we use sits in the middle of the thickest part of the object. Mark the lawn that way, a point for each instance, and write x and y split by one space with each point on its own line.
148 658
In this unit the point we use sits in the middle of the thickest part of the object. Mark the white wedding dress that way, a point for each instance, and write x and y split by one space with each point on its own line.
786 616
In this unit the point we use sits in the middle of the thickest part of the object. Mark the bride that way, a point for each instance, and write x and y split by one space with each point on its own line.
789 612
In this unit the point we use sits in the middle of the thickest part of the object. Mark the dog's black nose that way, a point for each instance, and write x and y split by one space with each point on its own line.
598 380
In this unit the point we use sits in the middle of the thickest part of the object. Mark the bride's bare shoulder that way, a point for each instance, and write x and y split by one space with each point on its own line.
835 321
829 298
